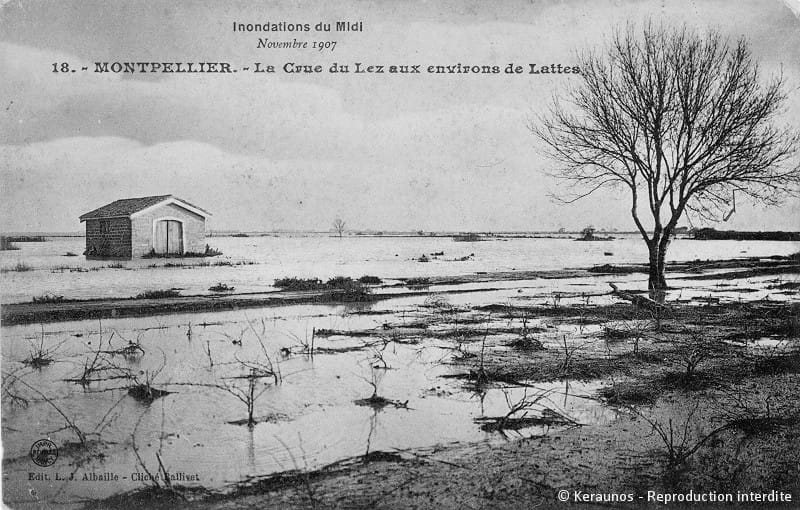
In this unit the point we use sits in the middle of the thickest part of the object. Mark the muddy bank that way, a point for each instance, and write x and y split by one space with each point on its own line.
754 266
78 310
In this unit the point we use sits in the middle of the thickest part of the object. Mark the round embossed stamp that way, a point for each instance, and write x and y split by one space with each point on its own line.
44 453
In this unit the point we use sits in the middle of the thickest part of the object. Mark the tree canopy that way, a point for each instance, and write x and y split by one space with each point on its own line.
682 120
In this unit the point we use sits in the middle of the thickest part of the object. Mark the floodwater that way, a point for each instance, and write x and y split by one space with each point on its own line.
311 417
257 261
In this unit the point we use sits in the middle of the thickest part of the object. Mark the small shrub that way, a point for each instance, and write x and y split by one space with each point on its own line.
40 356
99 249
341 282
421 281
158 294
19 267
628 393
690 353
208 252
438 301
212 252
144 392
221 287
614 333
680 440
468 238
48 298
611 269
339 288
344 288
370 280
294 283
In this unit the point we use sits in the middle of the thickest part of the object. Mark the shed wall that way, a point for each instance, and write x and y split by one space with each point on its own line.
194 229
108 238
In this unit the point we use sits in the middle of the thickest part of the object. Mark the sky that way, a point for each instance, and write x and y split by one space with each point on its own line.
294 151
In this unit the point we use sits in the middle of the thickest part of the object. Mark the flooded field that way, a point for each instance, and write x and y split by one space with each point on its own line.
252 264
220 399
309 417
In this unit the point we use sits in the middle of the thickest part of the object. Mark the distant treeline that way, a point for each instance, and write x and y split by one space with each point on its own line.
23 239
7 242
710 234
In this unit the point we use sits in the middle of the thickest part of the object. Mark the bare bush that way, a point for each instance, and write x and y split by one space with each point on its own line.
518 415
691 350
40 356
375 400
755 410
678 440
70 422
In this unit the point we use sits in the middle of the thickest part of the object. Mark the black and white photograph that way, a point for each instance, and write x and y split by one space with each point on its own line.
429 254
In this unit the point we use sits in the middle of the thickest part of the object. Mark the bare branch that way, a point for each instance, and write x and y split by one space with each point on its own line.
683 119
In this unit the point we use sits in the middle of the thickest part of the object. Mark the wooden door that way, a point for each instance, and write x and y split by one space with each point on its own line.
168 237
174 237
160 237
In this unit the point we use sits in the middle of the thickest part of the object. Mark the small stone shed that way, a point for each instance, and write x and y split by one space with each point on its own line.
134 227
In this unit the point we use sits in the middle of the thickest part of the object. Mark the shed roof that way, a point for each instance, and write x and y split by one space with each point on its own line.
127 207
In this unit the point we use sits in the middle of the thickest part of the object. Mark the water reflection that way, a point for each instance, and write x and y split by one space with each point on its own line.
313 416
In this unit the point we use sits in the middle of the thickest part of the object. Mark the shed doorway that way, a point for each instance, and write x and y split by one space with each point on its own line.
168 237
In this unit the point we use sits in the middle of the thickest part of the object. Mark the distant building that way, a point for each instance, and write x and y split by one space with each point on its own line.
135 227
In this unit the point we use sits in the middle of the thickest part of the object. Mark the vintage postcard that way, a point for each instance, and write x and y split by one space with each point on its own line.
382 254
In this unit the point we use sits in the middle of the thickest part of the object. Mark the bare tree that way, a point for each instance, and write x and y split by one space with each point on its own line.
338 226
588 233
681 120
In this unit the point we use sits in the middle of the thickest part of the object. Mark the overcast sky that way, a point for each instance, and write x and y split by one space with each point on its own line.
285 151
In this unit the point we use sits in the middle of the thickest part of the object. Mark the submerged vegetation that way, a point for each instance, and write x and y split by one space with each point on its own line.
338 288
419 282
19 267
208 252
470 237
158 294
48 298
294 283
222 287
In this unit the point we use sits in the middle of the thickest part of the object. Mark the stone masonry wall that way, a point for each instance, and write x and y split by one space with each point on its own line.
108 238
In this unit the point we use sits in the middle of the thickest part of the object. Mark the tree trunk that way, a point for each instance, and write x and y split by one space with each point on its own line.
662 255
657 283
